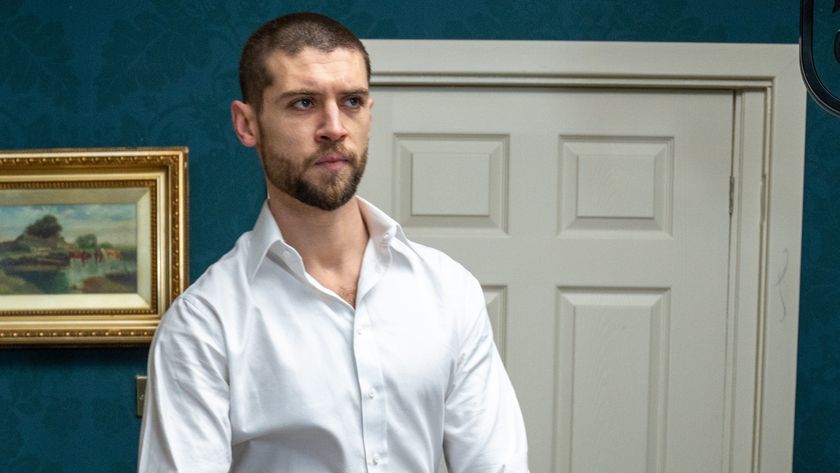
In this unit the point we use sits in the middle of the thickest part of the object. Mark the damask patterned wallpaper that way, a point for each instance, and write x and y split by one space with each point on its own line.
162 72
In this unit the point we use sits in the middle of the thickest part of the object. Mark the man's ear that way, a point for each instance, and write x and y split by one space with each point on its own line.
244 120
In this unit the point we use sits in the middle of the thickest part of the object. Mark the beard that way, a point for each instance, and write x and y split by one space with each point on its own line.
289 175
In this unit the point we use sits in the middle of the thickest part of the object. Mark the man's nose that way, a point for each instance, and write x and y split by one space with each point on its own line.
332 125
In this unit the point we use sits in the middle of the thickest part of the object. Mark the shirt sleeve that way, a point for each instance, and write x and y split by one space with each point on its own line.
483 427
186 426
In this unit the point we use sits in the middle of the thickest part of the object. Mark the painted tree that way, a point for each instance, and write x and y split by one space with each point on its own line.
86 241
45 227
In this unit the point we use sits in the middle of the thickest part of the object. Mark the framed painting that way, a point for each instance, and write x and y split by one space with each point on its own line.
93 244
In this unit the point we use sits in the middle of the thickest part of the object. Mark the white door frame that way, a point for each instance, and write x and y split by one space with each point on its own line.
769 117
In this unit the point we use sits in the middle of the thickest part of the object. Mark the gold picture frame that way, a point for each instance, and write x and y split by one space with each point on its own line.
93 244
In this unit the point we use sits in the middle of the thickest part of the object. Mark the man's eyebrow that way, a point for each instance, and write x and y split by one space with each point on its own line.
356 92
299 92
295 93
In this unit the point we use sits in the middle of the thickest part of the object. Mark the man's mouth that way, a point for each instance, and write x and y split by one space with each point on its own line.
333 162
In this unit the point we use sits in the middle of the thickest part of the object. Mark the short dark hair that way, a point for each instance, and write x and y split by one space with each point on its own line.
290 34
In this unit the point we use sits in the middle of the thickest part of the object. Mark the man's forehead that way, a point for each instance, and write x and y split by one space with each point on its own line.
309 58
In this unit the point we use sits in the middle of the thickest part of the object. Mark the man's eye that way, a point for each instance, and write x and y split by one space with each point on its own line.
302 104
353 102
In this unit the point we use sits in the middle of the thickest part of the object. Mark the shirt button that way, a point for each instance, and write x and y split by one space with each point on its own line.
377 459
372 393
287 254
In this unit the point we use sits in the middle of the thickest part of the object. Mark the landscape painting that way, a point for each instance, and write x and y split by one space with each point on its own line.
68 249
92 244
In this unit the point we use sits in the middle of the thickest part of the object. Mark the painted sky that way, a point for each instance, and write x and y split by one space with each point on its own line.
112 223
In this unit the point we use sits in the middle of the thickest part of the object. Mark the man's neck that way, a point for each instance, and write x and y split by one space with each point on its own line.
331 243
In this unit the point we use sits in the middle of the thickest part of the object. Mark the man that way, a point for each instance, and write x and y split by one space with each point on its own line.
325 341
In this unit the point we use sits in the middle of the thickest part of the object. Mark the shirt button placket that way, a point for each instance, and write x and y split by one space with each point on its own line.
369 369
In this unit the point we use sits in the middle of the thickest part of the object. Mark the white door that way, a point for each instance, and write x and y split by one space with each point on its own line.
597 221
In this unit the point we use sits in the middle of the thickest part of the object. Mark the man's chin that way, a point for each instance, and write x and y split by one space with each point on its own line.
322 201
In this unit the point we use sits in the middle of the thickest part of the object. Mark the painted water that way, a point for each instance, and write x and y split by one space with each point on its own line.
90 277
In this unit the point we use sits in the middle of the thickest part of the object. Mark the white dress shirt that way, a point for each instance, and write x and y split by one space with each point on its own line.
258 368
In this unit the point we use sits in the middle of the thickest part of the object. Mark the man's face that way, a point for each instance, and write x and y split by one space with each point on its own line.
314 125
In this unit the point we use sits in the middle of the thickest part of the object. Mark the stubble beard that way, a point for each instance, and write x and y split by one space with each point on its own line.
289 176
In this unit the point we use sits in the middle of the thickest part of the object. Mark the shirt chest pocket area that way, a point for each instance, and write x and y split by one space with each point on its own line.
417 353
295 382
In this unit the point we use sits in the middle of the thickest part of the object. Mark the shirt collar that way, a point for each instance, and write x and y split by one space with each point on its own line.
266 238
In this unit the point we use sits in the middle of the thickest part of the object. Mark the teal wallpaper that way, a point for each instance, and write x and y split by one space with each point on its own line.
162 72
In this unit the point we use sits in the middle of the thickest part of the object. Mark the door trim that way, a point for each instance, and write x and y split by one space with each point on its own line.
768 161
